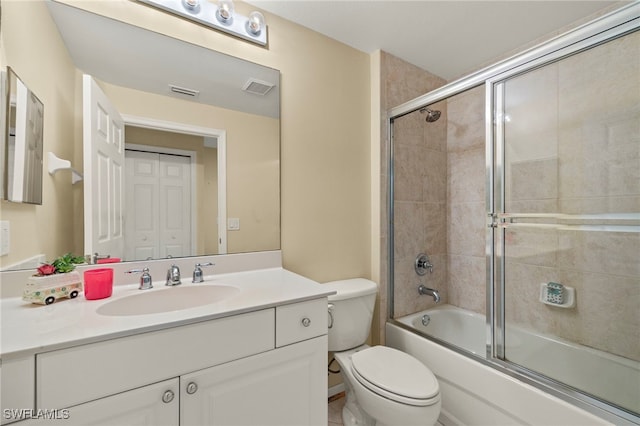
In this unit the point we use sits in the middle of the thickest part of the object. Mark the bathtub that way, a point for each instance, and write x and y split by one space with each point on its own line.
474 393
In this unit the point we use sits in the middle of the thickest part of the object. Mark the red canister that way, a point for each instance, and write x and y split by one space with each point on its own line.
98 283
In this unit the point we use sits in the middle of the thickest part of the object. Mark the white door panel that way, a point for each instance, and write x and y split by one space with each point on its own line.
103 135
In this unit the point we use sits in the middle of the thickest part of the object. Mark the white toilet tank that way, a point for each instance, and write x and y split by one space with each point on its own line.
351 314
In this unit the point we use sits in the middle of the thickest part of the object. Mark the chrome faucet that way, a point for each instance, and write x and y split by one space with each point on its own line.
429 292
197 272
145 279
95 257
173 275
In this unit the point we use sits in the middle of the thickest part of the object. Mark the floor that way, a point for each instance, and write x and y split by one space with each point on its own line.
336 403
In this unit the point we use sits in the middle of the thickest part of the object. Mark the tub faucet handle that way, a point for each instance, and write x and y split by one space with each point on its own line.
422 264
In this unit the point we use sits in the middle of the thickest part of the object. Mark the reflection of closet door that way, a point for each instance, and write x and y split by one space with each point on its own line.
175 206
158 191
142 201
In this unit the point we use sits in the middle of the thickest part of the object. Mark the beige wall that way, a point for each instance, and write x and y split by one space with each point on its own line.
325 119
325 140
45 60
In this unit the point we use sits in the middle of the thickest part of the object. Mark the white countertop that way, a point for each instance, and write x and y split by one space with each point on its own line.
28 328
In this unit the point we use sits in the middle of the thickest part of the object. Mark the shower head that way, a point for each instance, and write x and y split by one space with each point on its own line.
432 115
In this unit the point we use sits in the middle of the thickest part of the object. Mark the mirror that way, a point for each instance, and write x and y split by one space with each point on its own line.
22 143
189 90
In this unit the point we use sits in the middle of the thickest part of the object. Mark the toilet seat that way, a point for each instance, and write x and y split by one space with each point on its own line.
395 375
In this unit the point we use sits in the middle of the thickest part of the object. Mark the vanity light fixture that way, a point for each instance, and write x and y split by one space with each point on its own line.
224 14
220 16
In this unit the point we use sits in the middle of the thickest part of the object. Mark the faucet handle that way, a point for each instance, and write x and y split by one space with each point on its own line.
173 275
422 264
145 279
93 258
197 272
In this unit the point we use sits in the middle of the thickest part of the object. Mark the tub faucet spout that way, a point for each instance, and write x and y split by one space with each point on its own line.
429 292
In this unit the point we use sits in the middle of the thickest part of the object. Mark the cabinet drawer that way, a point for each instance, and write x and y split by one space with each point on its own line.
301 321
72 376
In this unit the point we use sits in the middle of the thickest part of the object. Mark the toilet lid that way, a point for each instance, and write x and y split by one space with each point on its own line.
395 374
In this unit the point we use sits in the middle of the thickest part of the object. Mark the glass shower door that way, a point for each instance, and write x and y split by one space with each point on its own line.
568 221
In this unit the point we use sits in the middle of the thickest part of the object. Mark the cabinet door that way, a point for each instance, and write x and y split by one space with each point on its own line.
286 386
152 405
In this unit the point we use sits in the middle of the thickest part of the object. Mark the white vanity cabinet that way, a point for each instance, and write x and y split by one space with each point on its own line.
275 388
151 405
258 368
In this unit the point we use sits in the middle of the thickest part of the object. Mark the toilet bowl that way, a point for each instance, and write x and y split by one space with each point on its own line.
383 386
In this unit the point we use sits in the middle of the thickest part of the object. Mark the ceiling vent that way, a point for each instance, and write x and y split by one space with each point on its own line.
184 91
257 87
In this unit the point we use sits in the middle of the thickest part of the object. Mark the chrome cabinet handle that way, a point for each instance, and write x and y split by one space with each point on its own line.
167 397
306 322
192 388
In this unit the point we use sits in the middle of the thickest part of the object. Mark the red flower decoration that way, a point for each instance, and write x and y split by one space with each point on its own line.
46 269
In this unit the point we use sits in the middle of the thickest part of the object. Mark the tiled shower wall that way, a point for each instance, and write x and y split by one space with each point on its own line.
440 204
402 82
466 205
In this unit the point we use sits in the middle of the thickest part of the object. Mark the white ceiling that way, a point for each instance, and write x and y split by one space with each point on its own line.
448 38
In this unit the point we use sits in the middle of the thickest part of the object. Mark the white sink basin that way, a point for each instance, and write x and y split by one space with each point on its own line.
167 300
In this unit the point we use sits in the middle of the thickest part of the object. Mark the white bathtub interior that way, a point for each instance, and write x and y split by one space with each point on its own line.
610 377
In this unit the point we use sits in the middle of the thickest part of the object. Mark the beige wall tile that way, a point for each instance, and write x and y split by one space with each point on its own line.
614 253
409 171
434 172
410 232
465 120
532 246
466 176
467 282
466 229
533 180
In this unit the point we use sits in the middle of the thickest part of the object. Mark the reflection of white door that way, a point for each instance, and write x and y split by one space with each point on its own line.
25 173
103 135
33 150
158 190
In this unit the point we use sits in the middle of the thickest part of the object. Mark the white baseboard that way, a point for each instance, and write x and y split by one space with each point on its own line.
334 390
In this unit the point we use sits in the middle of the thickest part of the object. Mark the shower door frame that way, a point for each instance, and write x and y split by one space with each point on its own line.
608 27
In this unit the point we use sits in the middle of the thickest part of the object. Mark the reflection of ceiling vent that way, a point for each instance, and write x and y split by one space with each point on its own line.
257 87
184 91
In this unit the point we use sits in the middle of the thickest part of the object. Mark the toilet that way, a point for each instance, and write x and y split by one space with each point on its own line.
383 386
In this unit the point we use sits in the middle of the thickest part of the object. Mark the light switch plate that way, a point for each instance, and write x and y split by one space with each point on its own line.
233 224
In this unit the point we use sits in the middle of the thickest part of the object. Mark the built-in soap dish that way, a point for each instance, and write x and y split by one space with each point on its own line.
558 295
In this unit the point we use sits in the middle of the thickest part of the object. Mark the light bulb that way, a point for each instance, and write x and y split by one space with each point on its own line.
255 24
191 4
225 11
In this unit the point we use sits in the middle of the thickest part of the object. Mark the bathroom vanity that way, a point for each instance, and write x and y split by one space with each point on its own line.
256 356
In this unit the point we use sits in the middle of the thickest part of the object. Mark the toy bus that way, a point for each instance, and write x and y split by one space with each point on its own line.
46 290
